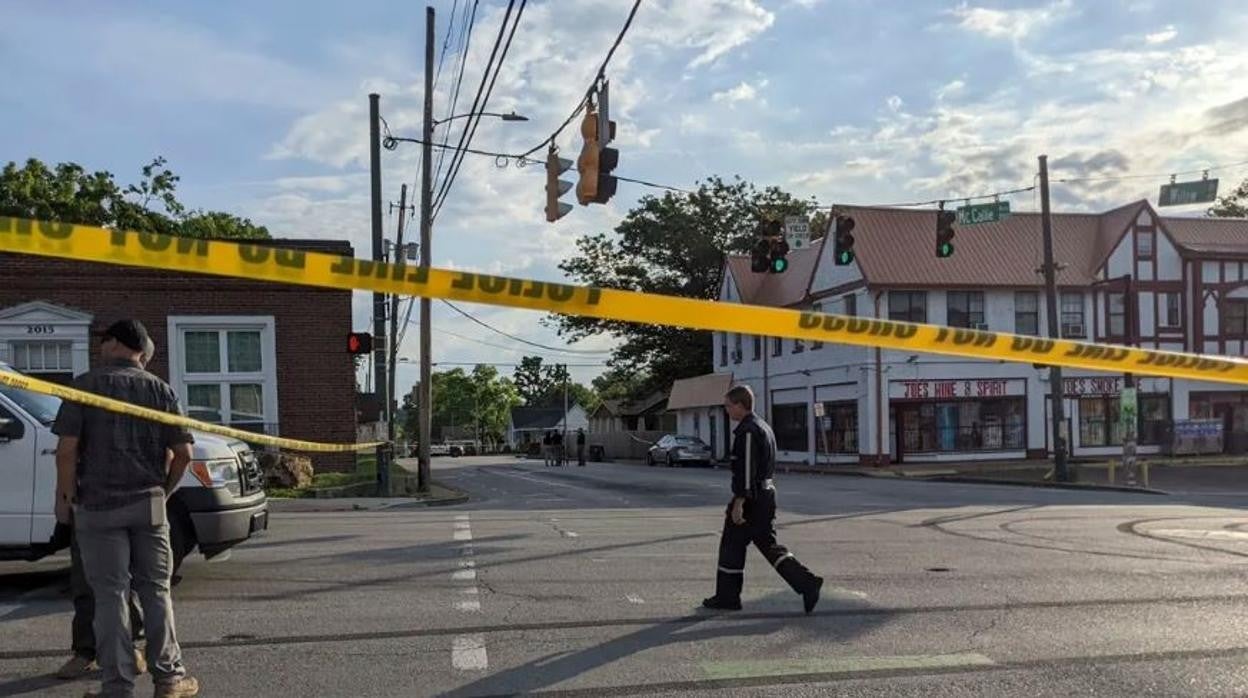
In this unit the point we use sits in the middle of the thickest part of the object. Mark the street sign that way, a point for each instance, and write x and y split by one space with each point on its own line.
818 409
797 232
1201 191
983 213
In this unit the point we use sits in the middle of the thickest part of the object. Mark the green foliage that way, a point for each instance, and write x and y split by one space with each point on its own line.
69 193
674 244
541 385
1233 205
482 399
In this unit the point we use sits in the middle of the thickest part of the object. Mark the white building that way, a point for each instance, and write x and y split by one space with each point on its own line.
1188 291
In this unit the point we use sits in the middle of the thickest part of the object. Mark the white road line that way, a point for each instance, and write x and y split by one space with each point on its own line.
471 591
463 535
463 526
461 517
469 606
570 534
468 653
467 564
633 598
467 575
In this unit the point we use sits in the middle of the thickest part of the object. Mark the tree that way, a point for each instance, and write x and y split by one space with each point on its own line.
479 402
1233 205
674 244
543 385
69 193
618 383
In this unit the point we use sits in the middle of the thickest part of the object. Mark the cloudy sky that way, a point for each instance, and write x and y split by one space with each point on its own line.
262 108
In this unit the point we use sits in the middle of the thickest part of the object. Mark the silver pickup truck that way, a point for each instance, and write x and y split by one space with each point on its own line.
219 502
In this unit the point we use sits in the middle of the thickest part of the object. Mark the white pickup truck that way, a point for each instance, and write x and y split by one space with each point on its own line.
219 502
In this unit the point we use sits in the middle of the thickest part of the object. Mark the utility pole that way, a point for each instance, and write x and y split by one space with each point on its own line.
400 257
1056 386
423 472
564 367
1128 399
380 383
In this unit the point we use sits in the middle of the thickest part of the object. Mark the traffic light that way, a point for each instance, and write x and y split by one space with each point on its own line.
779 258
359 343
555 187
944 232
844 240
596 185
760 256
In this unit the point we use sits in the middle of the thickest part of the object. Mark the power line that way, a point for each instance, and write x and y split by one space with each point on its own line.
1158 175
470 129
521 339
511 365
470 22
934 202
495 346
602 71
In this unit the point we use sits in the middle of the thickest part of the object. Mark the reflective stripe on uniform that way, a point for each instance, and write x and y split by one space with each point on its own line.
725 570
749 462
780 559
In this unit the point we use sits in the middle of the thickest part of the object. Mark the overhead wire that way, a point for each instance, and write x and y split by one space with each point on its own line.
474 114
470 21
602 71
522 340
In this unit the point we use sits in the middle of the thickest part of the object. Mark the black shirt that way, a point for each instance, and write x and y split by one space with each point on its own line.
753 456
121 459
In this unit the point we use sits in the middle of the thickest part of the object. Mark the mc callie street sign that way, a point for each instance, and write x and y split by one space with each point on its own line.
983 213
1201 191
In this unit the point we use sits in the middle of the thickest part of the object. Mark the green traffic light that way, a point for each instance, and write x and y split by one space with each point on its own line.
944 249
845 257
779 265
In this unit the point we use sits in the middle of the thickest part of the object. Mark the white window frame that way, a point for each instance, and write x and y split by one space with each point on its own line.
267 377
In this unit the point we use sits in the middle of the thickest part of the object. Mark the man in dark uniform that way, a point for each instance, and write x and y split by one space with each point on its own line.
751 515
580 447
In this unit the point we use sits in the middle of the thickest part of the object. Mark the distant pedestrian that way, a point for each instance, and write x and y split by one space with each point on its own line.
114 474
82 641
751 514
580 447
548 447
557 442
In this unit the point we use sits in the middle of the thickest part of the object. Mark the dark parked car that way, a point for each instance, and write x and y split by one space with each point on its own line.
674 449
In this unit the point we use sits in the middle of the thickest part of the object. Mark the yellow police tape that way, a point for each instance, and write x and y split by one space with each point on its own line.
263 262
35 385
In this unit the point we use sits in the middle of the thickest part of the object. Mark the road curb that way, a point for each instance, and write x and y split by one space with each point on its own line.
972 480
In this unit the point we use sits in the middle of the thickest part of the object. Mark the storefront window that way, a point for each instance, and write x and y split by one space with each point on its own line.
789 424
964 425
1099 421
838 428
1154 416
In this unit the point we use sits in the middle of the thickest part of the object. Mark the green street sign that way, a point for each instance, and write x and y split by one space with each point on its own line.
1201 191
983 213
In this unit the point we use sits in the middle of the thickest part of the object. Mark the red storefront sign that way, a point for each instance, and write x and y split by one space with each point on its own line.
956 389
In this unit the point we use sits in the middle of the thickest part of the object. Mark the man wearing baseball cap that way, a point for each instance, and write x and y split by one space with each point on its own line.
113 477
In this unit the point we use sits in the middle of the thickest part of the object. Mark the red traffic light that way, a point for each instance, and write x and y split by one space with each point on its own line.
359 343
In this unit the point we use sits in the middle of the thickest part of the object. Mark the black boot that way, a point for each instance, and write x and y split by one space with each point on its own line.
718 604
802 580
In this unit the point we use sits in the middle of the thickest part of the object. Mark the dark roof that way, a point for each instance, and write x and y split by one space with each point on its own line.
338 247
632 408
896 247
537 417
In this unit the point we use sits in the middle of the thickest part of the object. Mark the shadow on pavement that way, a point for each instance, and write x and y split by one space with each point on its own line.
30 685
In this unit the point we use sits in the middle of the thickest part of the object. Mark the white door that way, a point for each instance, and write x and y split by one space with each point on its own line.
18 443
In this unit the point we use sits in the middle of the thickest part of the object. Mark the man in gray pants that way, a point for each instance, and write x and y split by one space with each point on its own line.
112 480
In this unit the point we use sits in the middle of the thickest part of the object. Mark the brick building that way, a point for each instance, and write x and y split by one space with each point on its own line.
262 357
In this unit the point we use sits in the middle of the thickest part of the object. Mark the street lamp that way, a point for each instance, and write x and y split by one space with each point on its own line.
426 234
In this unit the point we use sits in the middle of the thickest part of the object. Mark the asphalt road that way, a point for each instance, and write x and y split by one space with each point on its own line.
586 581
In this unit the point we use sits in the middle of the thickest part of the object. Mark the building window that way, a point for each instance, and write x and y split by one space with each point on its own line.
838 428
1171 317
1026 312
1072 315
758 347
736 348
818 308
964 425
225 370
907 306
851 305
1099 423
1144 244
1234 320
1154 416
43 357
966 309
789 423
723 348
1117 314
777 346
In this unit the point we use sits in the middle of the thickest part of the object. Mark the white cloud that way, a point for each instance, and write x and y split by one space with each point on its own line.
743 92
950 89
1009 24
894 103
1161 37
